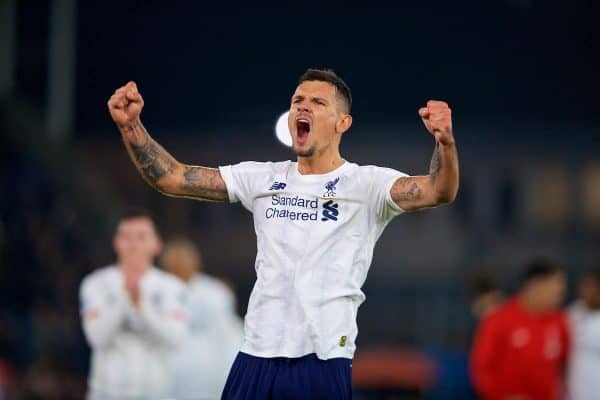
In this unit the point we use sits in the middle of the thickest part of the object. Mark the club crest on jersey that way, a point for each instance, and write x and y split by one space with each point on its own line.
330 188
277 186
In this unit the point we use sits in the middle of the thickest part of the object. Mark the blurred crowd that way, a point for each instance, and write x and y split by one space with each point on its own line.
42 352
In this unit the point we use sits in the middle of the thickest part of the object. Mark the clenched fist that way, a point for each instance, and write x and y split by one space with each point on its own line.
437 118
125 105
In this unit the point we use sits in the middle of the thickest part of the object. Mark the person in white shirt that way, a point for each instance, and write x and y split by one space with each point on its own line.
202 362
316 222
584 314
133 317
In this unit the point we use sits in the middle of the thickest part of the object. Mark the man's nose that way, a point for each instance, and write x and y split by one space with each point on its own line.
302 107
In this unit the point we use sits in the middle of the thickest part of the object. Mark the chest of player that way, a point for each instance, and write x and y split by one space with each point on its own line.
326 204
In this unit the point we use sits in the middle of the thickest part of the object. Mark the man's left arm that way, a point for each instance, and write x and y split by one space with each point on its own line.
440 186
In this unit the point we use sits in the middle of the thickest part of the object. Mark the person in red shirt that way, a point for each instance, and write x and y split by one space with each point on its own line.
520 349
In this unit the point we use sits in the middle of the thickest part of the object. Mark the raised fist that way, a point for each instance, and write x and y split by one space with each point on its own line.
125 105
437 118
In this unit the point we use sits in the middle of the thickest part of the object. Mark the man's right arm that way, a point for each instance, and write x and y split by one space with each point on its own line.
159 168
102 313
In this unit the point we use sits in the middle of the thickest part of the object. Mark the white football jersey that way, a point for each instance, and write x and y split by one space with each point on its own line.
203 361
131 346
584 366
315 239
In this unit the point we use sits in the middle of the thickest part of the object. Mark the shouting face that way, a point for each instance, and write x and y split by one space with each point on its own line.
317 118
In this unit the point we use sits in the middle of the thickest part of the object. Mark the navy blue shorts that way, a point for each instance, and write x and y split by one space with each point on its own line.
279 378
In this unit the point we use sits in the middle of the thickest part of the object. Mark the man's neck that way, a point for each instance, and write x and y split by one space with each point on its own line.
145 267
188 278
319 164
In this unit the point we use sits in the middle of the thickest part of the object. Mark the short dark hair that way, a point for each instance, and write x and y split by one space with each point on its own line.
482 282
539 268
135 212
329 75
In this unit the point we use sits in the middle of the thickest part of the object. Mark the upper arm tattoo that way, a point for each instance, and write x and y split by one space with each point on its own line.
153 161
406 189
204 183
411 193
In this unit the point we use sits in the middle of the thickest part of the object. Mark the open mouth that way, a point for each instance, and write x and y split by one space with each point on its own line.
302 128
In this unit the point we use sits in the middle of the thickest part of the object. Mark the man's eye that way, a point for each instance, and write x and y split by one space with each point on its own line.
297 101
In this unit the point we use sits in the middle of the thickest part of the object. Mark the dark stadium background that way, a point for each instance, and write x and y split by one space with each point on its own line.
520 75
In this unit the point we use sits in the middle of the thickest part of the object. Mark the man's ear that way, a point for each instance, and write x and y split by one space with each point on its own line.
344 123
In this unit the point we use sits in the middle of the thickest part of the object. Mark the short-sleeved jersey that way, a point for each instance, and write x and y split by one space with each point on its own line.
315 239
130 344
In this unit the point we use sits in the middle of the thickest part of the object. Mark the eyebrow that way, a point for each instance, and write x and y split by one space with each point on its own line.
302 97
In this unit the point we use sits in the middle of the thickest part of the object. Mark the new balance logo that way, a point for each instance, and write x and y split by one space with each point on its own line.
330 211
277 186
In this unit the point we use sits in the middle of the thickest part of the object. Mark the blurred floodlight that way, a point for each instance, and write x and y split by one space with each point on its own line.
281 130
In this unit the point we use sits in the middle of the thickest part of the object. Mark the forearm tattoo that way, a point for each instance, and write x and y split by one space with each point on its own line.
406 189
154 161
204 183
436 163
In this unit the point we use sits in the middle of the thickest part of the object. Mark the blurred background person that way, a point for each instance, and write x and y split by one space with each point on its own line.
485 293
202 363
584 315
521 348
132 315
585 293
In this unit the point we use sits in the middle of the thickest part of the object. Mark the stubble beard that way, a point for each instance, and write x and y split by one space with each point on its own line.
306 153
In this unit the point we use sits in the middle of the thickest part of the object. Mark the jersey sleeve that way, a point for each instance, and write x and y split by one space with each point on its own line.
244 181
382 204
